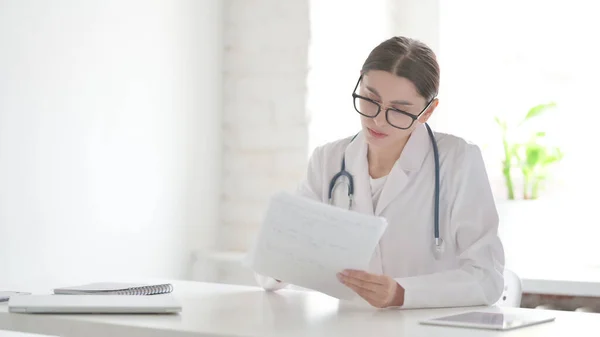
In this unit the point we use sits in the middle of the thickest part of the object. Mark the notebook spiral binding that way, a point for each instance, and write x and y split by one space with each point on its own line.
146 290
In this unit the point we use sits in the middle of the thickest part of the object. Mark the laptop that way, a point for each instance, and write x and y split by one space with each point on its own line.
94 304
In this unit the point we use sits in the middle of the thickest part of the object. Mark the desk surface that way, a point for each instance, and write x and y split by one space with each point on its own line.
227 310
4 333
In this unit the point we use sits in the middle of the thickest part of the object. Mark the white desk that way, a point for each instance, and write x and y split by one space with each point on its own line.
4 333
225 310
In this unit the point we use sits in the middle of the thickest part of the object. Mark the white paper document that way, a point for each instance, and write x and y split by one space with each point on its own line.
306 243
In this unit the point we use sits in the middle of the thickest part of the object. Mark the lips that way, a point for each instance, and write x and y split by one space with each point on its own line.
376 134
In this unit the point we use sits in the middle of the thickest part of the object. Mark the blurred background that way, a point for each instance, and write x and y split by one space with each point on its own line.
143 138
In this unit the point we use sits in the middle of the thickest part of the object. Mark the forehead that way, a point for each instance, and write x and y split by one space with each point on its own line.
389 86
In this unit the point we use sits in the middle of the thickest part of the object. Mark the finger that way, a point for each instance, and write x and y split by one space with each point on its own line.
364 293
371 297
378 295
376 299
363 275
358 283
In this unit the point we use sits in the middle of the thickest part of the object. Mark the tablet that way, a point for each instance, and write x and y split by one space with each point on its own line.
492 320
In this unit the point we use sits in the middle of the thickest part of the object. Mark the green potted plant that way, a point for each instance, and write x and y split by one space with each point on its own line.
529 155
527 159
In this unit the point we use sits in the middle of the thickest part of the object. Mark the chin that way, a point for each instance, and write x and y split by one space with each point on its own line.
378 142
390 140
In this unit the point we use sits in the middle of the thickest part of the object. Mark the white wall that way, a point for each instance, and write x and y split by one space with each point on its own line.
338 49
265 123
418 19
109 138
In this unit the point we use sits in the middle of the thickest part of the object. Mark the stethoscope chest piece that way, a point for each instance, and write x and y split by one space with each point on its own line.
439 246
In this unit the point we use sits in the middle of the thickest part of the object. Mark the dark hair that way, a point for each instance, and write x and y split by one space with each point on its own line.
408 58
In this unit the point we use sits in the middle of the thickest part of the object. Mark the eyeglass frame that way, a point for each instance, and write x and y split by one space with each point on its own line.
413 117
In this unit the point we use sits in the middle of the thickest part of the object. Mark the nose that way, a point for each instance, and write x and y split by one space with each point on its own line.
380 120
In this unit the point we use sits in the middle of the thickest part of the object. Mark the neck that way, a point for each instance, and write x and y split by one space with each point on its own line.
381 160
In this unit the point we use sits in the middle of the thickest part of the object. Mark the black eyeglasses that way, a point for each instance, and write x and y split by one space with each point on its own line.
395 117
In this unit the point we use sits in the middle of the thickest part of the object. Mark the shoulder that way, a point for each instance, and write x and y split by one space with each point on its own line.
323 160
456 149
454 145
460 159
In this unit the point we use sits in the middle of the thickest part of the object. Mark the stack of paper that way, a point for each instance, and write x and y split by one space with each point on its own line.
306 243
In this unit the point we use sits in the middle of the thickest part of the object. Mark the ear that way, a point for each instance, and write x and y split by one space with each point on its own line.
425 116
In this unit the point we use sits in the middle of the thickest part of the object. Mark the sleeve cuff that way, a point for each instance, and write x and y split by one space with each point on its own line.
409 291
269 283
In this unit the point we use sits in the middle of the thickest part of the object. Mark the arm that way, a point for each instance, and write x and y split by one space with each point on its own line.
479 279
310 187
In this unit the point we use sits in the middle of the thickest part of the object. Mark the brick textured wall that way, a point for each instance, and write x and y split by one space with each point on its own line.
265 124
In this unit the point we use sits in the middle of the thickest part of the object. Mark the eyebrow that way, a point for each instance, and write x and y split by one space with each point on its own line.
399 102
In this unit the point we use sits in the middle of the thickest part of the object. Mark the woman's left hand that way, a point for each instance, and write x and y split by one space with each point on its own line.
381 291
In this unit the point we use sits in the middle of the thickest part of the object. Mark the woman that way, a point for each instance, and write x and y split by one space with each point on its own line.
393 167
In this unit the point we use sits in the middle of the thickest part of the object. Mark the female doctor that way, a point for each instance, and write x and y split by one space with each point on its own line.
426 258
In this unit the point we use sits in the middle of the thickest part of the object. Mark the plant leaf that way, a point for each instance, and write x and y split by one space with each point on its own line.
538 110
554 157
534 154
500 123
513 152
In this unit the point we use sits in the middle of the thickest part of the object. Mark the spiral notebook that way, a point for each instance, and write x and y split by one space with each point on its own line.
111 288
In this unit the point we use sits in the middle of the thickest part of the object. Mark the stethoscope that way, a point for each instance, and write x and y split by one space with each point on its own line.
439 243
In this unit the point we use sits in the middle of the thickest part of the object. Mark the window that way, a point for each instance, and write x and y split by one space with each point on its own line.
499 58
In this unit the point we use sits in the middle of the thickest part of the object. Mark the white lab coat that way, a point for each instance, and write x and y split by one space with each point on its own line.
470 270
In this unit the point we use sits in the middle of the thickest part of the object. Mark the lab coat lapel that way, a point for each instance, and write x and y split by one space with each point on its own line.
410 160
358 166
394 184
